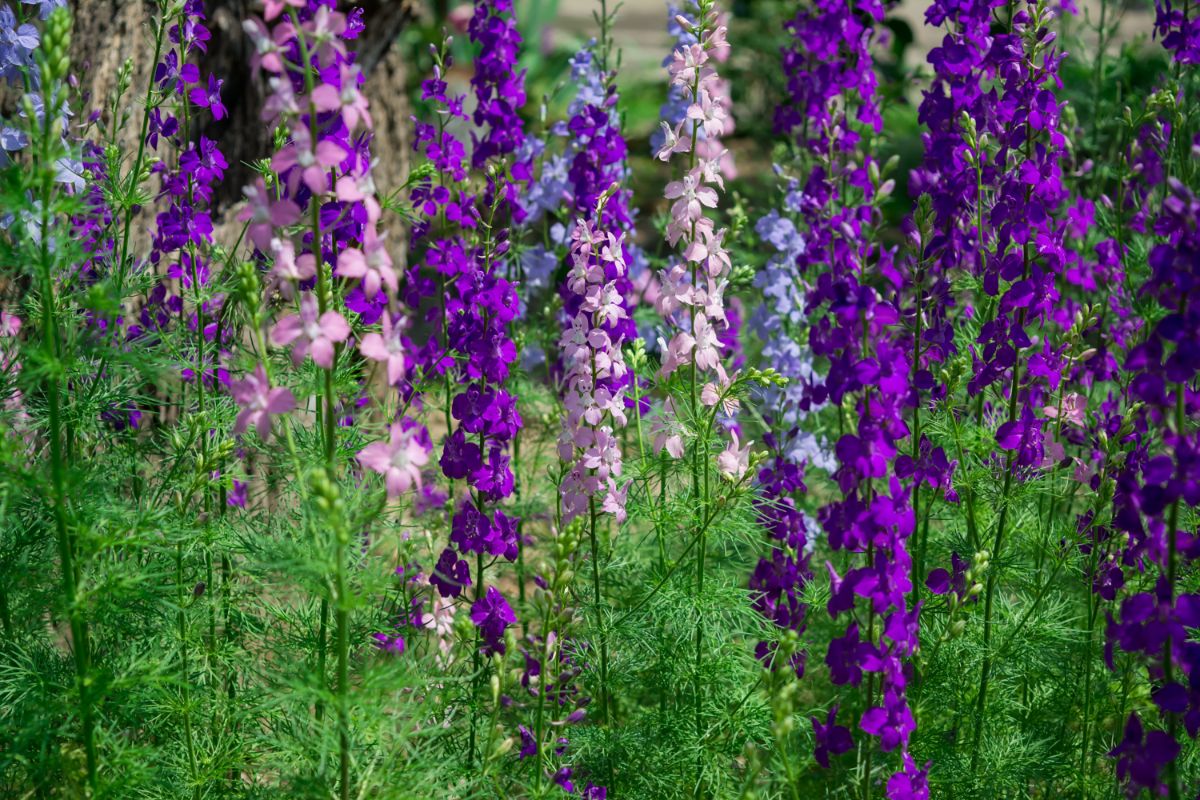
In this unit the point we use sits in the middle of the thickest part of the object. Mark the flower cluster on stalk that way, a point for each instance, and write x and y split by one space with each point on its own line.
692 291
595 366
853 280
479 303
1152 487
318 219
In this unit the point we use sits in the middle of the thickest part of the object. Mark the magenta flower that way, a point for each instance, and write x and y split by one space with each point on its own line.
398 460
259 401
312 332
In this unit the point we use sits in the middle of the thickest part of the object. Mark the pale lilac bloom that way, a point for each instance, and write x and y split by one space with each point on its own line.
707 347
259 401
314 163
312 332
387 347
398 460
349 100
667 431
1074 410
733 462
266 214
372 265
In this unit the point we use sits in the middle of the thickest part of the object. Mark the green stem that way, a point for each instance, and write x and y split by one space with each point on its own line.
343 668
80 642
476 667
185 670
598 600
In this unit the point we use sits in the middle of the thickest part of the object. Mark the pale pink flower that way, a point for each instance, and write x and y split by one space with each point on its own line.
710 114
273 8
719 262
707 345
287 269
359 189
590 358
1052 450
710 168
387 347
603 457
314 163
667 432
690 197
311 331
614 500
713 300
700 230
398 460
349 101
685 65
718 392
605 302
1083 471
281 102
267 54
671 143
1074 409
325 29
675 290
716 43
259 401
676 353
733 462
460 17
372 265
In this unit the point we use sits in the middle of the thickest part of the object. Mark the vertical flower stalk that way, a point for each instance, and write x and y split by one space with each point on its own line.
693 289
479 306
832 86
1152 489
51 61
594 395
1020 270
324 178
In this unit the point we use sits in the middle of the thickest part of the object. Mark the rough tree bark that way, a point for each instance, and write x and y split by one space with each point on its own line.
107 32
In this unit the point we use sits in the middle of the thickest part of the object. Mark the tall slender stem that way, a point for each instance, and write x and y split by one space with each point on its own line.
52 342
185 669
598 600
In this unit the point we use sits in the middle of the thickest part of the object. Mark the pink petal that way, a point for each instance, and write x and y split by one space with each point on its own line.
330 153
286 330
376 457
280 401
322 353
326 98
372 347
334 326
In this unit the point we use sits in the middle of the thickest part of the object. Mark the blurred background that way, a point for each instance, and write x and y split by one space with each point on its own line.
394 53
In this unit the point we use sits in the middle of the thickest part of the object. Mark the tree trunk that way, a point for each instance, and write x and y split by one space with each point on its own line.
107 32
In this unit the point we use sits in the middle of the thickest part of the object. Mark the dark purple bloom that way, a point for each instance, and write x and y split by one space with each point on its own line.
1142 757
831 738
492 615
451 575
